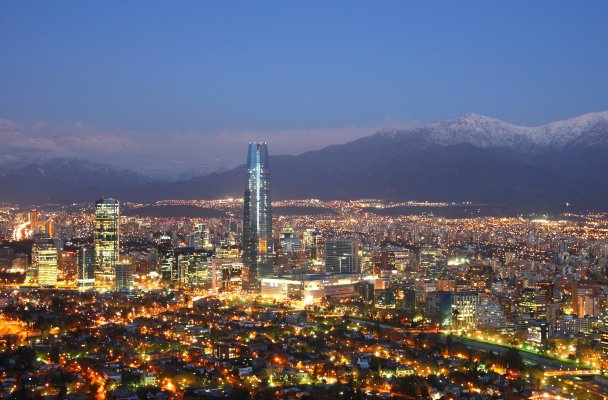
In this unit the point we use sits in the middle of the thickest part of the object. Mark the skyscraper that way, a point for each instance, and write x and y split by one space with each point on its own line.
86 268
166 259
124 276
257 219
44 258
200 236
342 256
107 236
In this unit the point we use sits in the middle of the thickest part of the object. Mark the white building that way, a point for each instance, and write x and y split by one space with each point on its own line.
489 314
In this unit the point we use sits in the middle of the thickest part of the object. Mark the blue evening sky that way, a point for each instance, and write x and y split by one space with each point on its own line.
209 68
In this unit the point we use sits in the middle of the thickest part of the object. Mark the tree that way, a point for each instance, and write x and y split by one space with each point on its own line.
548 346
239 393
536 374
413 386
54 354
513 360
25 358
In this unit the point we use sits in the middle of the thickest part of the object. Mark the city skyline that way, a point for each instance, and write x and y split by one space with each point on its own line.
526 297
422 212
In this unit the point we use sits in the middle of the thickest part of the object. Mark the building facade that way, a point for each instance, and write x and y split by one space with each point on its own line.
258 254
124 276
107 238
86 268
44 259
342 256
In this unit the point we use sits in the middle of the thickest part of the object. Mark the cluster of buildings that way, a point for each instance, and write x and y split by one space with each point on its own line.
98 261
528 282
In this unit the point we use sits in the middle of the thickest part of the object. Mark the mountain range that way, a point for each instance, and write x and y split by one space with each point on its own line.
470 158
63 180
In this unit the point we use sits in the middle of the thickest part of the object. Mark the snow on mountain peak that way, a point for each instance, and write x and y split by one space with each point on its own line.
560 133
479 130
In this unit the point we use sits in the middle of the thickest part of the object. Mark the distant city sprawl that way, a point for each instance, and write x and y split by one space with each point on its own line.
234 298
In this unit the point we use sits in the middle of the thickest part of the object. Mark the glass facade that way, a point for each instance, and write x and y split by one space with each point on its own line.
257 219
44 257
342 256
107 236
86 268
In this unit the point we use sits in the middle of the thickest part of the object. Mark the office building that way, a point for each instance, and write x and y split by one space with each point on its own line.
167 264
44 260
489 315
199 238
584 301
439 307
107 238
6 257
86 268
365 290
385 298
342 256
192 267
124 276
257 220
464 306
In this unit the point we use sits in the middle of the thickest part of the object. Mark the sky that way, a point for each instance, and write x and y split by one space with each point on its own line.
164 87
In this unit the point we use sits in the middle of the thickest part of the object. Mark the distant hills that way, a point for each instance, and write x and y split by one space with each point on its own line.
64 180
471 158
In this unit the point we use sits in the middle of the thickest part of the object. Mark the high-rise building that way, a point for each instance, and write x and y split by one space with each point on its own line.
313 245
86 268
33 218
257 219
107 236
584 301
49 227
464 305
44 260
6 257
68 265
192 267
124 276
166 260
365 289
342 256
200 237
548 288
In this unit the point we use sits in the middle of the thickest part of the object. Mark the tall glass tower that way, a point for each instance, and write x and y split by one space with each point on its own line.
106 235
258 253
86 268
44 257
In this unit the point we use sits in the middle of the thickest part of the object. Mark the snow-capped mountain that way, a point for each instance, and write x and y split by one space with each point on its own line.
471 158
478 130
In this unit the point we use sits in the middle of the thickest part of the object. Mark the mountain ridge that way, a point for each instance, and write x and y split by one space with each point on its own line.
469 158
486 131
